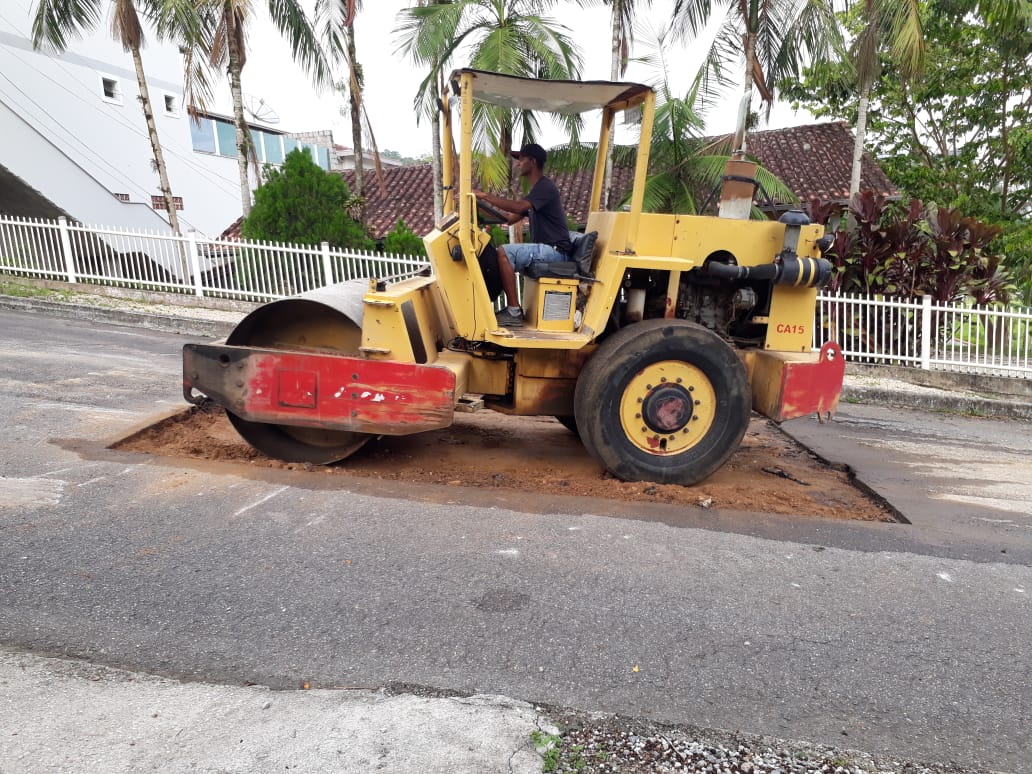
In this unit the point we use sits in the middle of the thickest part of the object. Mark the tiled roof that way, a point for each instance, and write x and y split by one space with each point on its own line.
814 161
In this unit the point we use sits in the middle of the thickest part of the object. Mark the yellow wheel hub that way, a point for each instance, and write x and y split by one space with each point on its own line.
667 407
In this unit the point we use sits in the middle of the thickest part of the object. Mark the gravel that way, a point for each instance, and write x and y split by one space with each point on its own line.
615 745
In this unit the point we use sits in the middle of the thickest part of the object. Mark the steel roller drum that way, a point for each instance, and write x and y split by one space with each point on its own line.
328 320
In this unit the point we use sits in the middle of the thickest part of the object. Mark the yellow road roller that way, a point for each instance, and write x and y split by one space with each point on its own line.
654 346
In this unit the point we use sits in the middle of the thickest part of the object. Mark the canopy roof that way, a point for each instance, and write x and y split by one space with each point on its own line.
567 97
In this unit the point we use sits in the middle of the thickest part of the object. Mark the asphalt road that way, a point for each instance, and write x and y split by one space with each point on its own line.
863 637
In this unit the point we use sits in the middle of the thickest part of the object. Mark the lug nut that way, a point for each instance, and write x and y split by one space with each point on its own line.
698 403
662 378
679 380
691 389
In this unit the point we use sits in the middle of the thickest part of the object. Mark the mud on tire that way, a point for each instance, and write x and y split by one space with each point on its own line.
663 400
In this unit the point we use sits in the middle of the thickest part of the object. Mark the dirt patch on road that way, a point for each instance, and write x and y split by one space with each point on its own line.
770 472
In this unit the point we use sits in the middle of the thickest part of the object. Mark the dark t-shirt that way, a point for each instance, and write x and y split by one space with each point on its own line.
547 216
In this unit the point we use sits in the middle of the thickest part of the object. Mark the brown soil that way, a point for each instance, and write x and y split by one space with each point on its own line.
770 472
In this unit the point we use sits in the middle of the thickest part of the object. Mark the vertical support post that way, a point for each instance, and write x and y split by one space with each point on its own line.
195 262
641 169
66 247
327 265
926 333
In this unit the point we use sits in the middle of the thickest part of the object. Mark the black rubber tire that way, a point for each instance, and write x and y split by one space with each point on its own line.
706 360
569 422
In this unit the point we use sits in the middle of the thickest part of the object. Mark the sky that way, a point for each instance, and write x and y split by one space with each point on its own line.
391 81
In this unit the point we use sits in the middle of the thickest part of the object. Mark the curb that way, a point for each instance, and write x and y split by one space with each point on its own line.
186 326
953 403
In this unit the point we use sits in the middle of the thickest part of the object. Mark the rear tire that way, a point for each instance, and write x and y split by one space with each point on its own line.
663 400
569 422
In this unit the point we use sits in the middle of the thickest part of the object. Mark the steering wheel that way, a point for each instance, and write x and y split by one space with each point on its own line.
494 216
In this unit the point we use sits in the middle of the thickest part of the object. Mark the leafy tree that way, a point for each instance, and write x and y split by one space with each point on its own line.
402 240
887 24
684 168
622 13
960 136
56 21
506 36
302 204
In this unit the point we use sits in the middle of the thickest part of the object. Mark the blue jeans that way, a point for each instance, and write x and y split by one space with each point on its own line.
521 255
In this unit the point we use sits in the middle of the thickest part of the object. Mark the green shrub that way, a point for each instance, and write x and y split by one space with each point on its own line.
403 241
300 203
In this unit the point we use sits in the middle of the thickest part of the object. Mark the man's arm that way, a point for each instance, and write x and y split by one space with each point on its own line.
517 207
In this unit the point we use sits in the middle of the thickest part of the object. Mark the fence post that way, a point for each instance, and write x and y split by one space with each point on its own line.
195 262
66 247
327 266
926 332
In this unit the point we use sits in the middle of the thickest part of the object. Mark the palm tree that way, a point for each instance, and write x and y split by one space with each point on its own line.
58 20
684 167
775 37
622 26
428 99
222 45
504 36
895 24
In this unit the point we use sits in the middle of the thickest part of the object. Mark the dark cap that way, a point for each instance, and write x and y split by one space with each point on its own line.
534 151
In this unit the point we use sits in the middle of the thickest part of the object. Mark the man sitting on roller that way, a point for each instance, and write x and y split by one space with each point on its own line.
549 234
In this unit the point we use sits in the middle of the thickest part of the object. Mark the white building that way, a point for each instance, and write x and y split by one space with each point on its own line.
75 141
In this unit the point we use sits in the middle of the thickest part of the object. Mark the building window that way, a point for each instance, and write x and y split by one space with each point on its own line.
158 202
121 197
202 134
111 89
171 103
259 148
227 138
273 148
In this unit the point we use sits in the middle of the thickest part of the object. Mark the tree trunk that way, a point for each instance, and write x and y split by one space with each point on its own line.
858 143
858 148
436 165
152 133
740 144
355 98
243 134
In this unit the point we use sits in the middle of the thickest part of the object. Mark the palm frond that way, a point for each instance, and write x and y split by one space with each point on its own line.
126 27
57 22
293 23
905 34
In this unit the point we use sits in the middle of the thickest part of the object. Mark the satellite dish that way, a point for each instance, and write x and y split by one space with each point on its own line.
257 109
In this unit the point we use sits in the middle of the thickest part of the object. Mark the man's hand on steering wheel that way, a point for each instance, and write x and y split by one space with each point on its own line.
493 215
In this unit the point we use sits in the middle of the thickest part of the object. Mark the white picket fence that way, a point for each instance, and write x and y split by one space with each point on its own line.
243 270
918 333
927 334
